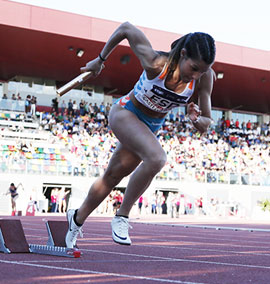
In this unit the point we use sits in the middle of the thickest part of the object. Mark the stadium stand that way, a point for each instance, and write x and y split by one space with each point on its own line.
78 145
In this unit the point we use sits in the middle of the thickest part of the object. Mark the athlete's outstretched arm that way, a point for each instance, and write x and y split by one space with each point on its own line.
138 43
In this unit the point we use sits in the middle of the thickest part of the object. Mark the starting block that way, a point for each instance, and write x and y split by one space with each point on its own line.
12 239
56 233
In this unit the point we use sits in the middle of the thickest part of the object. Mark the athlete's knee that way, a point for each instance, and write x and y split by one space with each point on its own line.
156 162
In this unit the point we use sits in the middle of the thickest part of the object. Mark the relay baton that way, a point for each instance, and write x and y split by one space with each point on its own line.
73 83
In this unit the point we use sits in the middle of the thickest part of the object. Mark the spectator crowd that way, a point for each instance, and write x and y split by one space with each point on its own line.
228 146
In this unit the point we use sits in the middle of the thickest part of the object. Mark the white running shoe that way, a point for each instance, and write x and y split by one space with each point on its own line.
120 227
73 230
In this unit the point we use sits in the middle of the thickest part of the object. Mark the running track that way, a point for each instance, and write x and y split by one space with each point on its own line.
160 253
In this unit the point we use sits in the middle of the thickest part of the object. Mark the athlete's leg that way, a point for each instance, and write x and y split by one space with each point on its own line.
137 137
60 204
13 204
64 205
122 163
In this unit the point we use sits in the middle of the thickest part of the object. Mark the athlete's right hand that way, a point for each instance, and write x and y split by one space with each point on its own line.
95 66
193 111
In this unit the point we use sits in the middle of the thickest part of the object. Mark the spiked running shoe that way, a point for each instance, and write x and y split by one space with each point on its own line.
73 230
120 228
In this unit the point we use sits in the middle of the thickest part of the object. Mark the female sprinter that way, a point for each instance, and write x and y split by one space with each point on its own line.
168 80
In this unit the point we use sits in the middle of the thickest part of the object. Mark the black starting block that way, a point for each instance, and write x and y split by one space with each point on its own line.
12 239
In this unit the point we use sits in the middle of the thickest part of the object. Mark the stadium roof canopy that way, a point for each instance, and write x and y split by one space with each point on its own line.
43 43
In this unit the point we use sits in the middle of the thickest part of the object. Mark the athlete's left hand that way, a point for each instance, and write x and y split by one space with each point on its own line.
95 66
193 111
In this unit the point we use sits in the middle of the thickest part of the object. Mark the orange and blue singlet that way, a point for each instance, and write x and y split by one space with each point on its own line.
154 95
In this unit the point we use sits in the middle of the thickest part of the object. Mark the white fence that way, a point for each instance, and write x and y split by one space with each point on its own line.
66 168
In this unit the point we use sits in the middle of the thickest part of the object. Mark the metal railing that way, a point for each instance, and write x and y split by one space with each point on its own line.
12 105
66 168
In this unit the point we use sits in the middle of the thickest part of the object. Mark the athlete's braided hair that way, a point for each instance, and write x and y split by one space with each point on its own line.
200 46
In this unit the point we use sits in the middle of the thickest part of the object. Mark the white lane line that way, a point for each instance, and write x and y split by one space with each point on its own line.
212 244
183 242
171 236
202 249
46 261
209 236
170 247
94 261
216 227
180 247
181 259
183 238
99 272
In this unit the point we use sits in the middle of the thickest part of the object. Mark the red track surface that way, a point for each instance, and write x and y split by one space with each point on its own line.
159 254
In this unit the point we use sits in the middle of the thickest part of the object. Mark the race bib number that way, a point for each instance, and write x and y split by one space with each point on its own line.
160 99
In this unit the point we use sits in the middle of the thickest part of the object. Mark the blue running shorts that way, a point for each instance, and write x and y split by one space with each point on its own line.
153 123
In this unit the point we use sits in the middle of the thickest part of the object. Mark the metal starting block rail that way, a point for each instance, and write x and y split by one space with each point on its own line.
54 250
12 239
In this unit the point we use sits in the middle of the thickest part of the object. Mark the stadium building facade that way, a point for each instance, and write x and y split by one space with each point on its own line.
44 48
